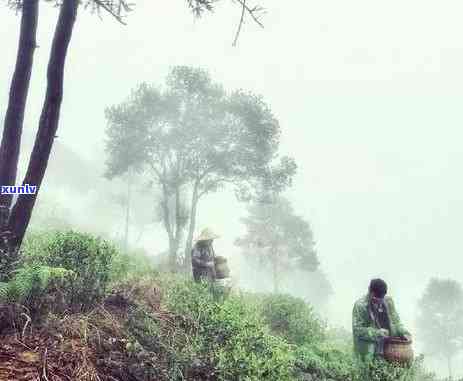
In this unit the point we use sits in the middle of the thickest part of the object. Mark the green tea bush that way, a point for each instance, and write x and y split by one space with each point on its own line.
381 370
90 258
29 283
230 336
325 361
292 319
161 344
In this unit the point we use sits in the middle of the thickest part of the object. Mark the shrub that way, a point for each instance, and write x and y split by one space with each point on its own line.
162 340
292 319
380 370
88 257
230 336
326 361
30 282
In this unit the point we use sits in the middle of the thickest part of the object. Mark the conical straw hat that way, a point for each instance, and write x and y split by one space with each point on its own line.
207 235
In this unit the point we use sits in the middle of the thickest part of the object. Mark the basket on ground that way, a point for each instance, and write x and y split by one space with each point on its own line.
398 350
222 270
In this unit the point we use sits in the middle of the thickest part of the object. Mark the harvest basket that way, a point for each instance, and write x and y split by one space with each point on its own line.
398 350
222 270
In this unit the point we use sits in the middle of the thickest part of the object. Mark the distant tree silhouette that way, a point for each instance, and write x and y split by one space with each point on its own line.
440 319
282 239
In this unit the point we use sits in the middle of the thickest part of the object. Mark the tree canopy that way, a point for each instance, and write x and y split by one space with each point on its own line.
193 131
193 136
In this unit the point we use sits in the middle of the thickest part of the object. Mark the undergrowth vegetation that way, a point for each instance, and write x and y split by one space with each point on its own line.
90 259
292 319
112 316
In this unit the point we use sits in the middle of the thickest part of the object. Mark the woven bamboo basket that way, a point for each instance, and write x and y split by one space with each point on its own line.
222 270
398 350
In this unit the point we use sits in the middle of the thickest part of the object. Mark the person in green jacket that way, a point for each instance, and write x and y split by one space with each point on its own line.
374 319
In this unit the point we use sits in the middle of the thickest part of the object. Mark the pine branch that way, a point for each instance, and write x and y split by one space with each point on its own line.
253 12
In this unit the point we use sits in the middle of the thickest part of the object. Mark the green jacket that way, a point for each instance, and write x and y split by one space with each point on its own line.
365 331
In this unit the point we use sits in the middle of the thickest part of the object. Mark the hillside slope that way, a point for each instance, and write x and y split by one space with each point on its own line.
78 309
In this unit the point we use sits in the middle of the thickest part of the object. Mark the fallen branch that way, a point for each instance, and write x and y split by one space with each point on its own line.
44 367
28 320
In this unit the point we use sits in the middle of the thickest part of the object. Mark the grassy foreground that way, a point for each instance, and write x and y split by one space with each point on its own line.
78 309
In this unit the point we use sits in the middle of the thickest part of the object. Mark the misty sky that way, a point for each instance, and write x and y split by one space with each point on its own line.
369 96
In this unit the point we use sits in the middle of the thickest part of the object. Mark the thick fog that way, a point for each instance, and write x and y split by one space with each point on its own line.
369 98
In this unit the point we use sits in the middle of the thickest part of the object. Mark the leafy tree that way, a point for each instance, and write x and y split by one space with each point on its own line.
279 237
14 220
440 319
194 138
139 132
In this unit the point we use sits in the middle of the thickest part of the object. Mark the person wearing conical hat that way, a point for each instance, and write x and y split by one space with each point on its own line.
202 256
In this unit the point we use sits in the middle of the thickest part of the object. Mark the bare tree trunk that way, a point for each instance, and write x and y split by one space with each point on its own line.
22 210
14 118
168 227
178 222
127 210
191 228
